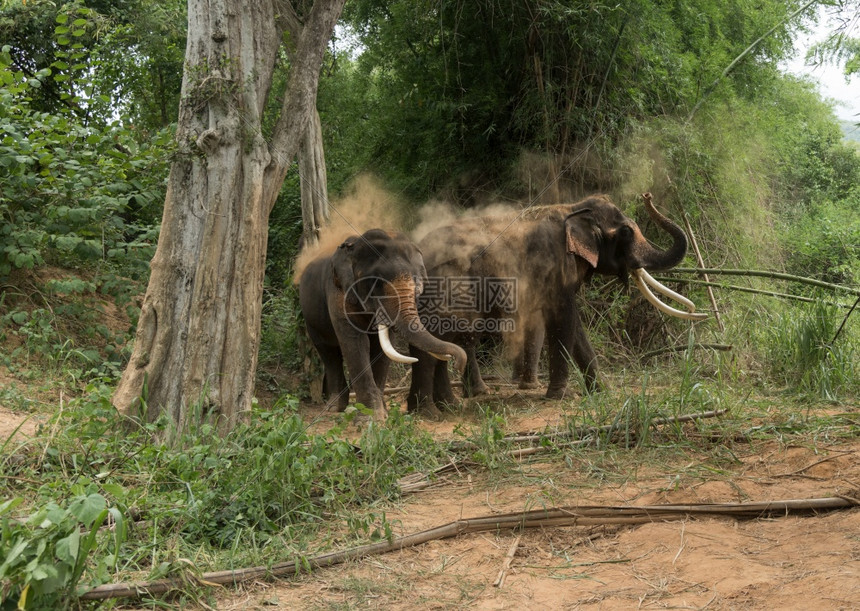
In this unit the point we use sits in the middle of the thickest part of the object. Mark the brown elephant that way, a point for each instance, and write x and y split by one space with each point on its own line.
350 300
543 254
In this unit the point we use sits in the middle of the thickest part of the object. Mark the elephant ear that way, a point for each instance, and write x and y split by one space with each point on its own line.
582 237
341 264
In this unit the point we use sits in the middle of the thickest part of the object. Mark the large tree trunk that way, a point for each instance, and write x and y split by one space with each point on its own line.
199 329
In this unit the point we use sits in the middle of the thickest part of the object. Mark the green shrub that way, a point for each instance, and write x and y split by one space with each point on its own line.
57 552
800 352
825 242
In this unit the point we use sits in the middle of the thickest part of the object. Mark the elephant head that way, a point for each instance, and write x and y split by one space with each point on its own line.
381 275
612 244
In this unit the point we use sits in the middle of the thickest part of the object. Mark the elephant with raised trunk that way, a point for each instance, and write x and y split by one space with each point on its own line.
351 299
546 253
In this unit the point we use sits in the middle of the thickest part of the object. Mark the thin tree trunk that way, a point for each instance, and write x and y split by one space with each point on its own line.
312 173
199 328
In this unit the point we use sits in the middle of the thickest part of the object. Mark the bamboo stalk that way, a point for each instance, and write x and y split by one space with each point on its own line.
648 355
743 54
506 565
767 274
746 289
560 517
586 432
701 262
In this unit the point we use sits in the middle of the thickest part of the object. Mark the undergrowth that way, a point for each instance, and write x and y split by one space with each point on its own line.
268 492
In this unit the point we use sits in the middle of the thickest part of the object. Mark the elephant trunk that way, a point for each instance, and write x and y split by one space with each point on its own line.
654 259
401 307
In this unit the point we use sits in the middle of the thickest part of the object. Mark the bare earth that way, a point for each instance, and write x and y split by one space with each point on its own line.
781 563
810 562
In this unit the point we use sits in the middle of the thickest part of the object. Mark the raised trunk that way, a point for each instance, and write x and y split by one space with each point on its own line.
653 259
199 328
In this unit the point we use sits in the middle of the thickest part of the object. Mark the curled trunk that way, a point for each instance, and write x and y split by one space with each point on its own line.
654 259
401 307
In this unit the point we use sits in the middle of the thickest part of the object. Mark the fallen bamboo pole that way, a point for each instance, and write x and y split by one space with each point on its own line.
586 515
668 349
533 437
767 274
746 289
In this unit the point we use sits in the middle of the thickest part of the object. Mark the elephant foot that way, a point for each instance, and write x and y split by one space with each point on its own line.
380 414
450 407
476 390
528 385
429 411
556 392
444 398
336 404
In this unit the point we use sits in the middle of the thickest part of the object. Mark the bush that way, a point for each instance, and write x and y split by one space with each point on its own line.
800 351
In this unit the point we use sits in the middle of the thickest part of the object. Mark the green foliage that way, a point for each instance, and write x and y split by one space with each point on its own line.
461 94
800 351
268 488
487 438
281 334
77 190
824 242
47 555
71 192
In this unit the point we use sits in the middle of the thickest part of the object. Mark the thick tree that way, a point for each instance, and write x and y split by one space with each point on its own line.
199 327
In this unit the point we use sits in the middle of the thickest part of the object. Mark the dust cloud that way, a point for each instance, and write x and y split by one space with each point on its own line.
366 205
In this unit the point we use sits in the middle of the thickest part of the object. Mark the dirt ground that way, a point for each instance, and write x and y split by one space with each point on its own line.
793 562
789 562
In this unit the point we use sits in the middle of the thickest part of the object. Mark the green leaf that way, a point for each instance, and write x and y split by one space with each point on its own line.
115 490
19 318
13 554
89 508
11 504
62 18
67 547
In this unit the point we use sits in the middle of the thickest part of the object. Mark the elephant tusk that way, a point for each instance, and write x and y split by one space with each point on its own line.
442 357
389 350
643 288
665 290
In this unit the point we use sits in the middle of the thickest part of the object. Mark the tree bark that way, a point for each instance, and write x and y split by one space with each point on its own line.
199 328
312 173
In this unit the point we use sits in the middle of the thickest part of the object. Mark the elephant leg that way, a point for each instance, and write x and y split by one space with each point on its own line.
473 383
442 393
420 397
356 351
567 339
335 386
379 363
526 364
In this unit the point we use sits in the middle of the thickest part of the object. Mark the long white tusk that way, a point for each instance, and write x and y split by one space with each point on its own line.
662 306
442 357
389 350
665 290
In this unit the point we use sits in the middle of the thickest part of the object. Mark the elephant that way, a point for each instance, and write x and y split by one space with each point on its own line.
544 253
350 300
